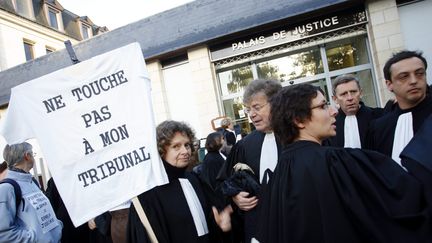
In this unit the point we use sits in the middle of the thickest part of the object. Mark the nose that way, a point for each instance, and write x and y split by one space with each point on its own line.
252 113
184 149
413 78
333 111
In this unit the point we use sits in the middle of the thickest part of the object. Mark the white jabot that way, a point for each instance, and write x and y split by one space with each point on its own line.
351 132
269 154
195 207
403 134
223 156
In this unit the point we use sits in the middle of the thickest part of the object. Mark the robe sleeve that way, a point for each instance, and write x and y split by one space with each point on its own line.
347 195
417 157
136 233
135 230
236 156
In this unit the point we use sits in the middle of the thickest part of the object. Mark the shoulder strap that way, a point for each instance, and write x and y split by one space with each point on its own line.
17 191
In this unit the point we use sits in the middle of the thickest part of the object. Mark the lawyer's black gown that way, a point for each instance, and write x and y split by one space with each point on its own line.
336 195
381 133
211 165
247 151
168 212
364 117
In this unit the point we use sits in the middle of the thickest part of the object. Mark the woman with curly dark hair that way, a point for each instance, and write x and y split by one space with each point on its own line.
178 211
324 194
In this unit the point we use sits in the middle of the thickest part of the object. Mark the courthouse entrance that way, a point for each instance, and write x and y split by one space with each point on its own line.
317 60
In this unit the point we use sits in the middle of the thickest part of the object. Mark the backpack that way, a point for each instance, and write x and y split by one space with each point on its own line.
17 190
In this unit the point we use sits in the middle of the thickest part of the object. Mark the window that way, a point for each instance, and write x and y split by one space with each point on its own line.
234 80
24 8
53 18
298 65
85 31
28 50
346 53
316 64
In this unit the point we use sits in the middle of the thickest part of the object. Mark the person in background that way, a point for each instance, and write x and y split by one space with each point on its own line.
354 117
100 228
33 219
259 150
178 211
119 220
3 170
227 130
338 195
70 233
213 160
405 74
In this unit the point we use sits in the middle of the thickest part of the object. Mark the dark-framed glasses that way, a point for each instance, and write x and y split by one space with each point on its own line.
324 106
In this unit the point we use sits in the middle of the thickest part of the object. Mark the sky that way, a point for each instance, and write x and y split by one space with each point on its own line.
114 14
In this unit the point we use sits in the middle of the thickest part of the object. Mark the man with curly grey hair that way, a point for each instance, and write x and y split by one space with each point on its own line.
33 219
259 150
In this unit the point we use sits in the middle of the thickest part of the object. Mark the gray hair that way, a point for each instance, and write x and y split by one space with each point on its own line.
268 87
345 78
13 154
226 122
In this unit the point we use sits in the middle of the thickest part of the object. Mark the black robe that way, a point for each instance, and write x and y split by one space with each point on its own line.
381 133
70 234
416 156
364 117
210 167
247 151
324 194
230 137
168 212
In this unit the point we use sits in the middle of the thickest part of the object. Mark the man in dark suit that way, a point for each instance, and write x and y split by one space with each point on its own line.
405 74
354 117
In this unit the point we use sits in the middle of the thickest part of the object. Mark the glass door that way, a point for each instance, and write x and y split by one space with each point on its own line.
318 65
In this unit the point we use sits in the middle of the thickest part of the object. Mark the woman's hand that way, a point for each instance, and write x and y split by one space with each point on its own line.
223 218
243 202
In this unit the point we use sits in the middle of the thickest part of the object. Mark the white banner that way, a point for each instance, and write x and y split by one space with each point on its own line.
94 123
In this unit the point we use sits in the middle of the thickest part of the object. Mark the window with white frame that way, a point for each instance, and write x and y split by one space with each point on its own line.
24 8
28 49
53 18
85 29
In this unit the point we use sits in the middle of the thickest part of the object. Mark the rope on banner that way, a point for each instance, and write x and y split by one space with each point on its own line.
71 52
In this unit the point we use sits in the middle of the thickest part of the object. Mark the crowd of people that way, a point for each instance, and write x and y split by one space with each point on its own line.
309 172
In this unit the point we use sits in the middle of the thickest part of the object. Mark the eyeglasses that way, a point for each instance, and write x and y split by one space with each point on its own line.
323 106
255 108
32 153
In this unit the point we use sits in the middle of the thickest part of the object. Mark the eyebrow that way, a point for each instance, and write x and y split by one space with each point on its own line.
322 102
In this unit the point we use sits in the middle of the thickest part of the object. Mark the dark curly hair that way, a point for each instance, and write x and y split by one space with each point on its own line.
166 131
3 166
214 142
292 103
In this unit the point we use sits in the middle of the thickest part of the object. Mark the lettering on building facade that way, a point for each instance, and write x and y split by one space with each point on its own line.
289 34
